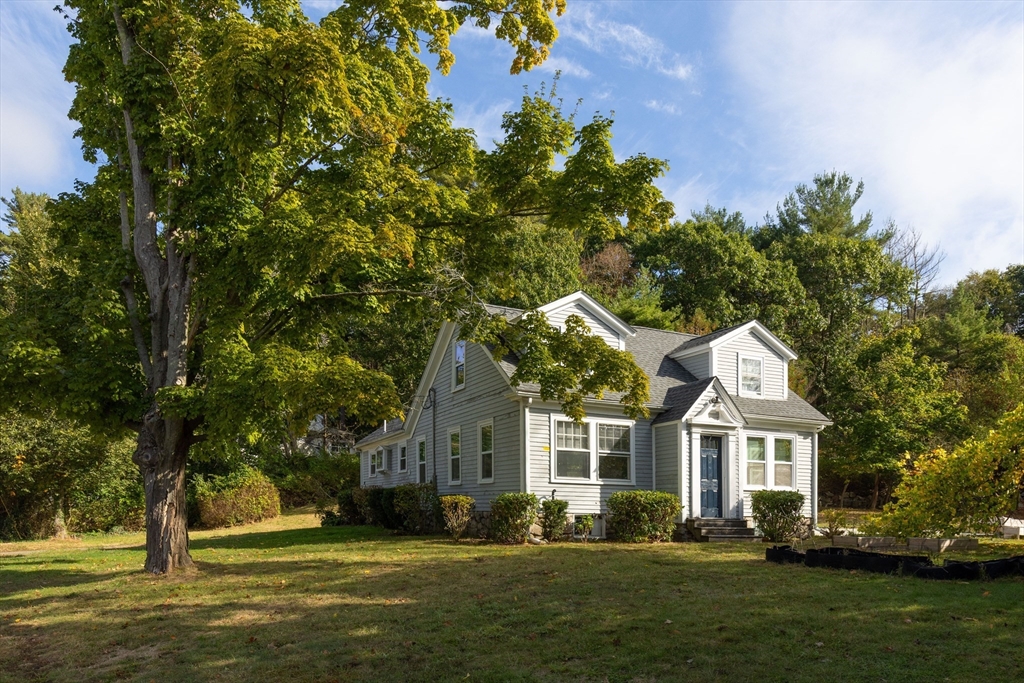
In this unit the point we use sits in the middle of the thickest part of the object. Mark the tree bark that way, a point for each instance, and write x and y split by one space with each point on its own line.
160 453
874 496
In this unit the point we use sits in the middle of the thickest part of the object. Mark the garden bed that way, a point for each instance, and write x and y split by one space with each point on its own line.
920 566
911 545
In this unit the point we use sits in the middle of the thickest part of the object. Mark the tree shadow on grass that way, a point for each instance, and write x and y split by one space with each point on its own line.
263 540
427 609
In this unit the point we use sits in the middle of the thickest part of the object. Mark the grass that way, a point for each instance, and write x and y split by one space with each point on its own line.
287 601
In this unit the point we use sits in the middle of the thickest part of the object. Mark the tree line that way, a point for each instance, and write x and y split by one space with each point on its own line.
281 217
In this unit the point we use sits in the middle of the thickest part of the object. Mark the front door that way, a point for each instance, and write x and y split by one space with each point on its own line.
710 476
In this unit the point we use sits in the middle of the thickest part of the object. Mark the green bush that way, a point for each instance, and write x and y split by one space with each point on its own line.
639 516
348 510
416 505
511 517
391 519
582 526
457 511
361 500
777 513
553 519
242 497
833 520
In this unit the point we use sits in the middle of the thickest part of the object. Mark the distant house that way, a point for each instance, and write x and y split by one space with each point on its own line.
723 424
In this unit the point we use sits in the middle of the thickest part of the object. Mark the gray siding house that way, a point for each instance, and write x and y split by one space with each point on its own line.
723 424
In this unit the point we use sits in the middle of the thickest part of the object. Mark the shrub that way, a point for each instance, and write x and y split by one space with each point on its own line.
512 514
348 510
639 516
416 506
834 519
456 511
582 526
389 518
361 500
553 519
777 513
242 497
965 491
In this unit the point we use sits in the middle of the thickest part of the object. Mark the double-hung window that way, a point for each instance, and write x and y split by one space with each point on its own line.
572 450
421 461
751 376
403 458
783 458
459 365
757 457
486 464
376 461
454 457
770 462
595 450
613 451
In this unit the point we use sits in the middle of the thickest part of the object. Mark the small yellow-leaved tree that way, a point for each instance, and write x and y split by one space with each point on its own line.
963 491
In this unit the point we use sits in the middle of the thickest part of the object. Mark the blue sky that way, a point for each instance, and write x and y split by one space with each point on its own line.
923 101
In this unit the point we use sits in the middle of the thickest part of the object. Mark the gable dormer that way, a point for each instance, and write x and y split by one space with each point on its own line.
748 359
599 319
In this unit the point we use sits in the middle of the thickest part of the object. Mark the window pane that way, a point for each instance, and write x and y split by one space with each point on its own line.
572 464
423 473
751 375
456 469
783 450
613 438
572 436
455 449
422 448
755 474
486 438
487 466
755 449
402 458
783 474
613 467
460 375
460 352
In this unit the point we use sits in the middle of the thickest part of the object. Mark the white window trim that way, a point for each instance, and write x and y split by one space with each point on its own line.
594 479
462 448
465 357
403 446
480 451
769 461
376 461
421 442
740 357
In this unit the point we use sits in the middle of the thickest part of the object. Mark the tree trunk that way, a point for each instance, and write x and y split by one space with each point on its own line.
842 496
874 496
60 527
160 453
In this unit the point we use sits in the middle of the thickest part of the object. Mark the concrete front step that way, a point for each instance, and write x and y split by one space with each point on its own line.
732 539
720 523
721 529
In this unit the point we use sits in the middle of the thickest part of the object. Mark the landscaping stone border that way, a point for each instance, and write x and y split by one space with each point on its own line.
913 545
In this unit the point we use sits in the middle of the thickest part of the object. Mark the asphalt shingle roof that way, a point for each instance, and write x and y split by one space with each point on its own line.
389 427
705 338
794 408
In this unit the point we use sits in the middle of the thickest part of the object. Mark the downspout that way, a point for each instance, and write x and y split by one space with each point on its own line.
432 399
526 444
814 477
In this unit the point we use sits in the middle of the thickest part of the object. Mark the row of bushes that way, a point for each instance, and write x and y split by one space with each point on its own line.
241 497
636 516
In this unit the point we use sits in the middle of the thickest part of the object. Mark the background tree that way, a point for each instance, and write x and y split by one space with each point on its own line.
265 185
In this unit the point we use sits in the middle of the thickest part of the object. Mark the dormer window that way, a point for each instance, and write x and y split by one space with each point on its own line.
459 365
751 376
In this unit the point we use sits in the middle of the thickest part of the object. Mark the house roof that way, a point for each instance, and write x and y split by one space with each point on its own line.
389 427
793 408
673 389
723 335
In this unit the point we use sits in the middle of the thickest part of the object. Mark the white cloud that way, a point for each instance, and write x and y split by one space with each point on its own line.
665 107
567 66
926 106
37 150
629 42
485 121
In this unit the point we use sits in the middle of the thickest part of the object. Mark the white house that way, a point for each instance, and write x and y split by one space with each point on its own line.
723 424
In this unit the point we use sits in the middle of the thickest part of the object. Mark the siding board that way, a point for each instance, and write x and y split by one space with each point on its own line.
727 362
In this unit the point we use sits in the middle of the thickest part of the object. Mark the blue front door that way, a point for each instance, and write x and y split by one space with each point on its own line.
710 476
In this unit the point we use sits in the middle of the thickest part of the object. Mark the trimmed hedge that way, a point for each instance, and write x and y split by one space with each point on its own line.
241 497
553 519
777 513
417 507
512 514
639 516
456 511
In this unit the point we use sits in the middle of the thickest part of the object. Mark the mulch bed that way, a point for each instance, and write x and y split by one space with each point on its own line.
907 565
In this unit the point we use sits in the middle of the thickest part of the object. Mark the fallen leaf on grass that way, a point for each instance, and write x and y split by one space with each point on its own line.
889 648
668 621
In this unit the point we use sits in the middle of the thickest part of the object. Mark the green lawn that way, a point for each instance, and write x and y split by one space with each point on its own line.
287 601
